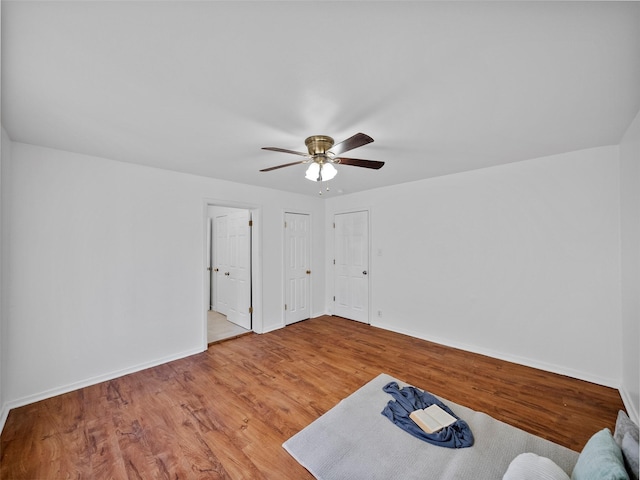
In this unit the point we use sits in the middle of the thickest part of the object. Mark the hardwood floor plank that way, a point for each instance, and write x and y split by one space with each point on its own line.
224 413
104 454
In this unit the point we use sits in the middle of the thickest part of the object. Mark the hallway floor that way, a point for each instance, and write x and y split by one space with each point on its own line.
219 328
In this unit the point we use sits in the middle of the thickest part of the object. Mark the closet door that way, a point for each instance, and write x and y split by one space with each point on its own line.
297 267
351 266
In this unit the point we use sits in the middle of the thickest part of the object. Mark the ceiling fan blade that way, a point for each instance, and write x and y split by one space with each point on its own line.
357 162
281 166
284 150
358 140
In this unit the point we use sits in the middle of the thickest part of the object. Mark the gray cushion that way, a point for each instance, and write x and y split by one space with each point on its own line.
630 455
623 425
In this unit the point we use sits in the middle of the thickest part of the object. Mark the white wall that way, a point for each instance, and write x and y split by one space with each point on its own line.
5 153
519 261
630 244
106 266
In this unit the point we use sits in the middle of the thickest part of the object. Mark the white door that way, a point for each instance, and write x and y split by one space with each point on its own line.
297 267
210 264
221 264
238 274
351 269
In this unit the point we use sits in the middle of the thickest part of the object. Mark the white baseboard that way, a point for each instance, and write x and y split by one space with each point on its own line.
527 362
20 402
271 328
4 413
629 405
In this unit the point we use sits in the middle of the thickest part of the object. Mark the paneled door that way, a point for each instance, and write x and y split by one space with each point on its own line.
351 266
210 262
297 267
221 265
238 275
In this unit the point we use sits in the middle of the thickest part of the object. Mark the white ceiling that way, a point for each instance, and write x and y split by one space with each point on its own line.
199 87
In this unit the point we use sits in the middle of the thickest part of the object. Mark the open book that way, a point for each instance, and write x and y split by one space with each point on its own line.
432 418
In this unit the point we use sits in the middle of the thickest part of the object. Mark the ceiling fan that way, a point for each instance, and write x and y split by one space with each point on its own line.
324 154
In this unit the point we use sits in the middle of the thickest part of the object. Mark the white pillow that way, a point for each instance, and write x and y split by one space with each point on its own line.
529 466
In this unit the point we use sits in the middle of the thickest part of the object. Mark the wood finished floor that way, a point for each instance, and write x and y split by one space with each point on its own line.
225 413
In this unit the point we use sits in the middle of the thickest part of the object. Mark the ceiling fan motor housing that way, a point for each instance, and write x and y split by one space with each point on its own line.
318 144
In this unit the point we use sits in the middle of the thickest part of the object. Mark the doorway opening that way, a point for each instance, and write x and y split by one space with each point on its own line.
229 295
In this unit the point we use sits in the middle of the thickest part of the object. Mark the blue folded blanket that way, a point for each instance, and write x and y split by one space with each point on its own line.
408 399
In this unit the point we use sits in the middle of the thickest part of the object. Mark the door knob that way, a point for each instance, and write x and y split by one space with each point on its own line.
209 268
308 272
215 269
226 273
364 272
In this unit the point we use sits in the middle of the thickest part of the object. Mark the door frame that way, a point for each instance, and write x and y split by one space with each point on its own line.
284 261
256 263
331 241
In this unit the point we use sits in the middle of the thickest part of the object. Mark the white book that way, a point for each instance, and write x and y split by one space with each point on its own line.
432 418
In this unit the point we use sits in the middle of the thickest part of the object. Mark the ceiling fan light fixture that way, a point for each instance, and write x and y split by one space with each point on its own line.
312 172
320 172
328 171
